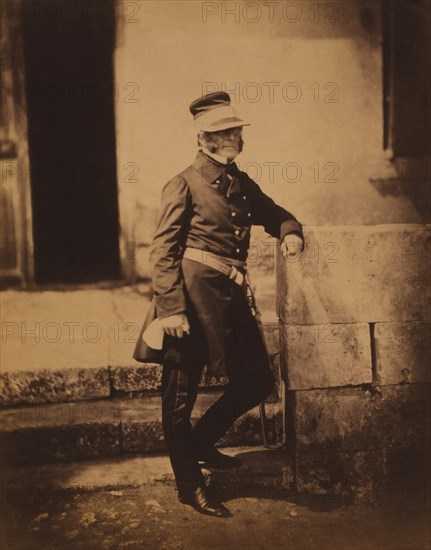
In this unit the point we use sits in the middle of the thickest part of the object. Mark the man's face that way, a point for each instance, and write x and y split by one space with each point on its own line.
227 142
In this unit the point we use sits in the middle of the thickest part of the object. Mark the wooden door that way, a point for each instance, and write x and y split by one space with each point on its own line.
16 259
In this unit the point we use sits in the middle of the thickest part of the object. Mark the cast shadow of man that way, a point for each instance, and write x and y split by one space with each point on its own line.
268 474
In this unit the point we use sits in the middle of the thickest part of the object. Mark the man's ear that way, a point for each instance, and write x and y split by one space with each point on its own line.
201 139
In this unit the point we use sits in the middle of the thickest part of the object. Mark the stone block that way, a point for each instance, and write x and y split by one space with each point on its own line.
53 386
360 418
355 441
323 356
403 352
357 274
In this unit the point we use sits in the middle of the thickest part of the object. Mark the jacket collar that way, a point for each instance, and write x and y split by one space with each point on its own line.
218 158
210 170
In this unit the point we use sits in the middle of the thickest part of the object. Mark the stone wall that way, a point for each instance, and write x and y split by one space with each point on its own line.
313 96
354 315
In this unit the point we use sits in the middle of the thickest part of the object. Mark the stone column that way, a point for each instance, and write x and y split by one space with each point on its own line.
354 314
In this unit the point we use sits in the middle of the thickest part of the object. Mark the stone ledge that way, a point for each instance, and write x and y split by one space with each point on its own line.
323 356
356 274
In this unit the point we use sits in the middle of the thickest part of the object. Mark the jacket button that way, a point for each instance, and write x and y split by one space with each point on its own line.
236 231
244 197
237 250
248 214
217 181
233 214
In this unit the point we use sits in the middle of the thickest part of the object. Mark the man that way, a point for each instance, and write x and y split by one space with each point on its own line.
198 261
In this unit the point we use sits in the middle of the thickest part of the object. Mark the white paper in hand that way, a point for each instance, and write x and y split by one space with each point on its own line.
153 335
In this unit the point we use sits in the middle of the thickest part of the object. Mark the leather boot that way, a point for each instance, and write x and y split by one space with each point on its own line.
213 458
203 503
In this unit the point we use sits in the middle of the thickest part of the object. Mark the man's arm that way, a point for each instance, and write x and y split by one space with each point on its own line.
276 221
165 249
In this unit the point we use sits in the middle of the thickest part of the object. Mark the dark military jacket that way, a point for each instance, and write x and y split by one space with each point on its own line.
203 208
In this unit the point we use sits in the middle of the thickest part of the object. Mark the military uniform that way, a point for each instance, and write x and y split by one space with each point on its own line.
211 207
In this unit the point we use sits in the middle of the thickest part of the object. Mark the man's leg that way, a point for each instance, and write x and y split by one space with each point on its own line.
234 346
237 400
179 391
251 379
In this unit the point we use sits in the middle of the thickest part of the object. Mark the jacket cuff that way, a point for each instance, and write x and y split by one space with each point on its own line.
289 227
169 305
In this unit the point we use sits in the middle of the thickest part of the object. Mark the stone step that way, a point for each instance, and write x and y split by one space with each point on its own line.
82 430
59 385
72 384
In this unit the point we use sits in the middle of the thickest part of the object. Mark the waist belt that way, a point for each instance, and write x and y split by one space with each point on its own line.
228 266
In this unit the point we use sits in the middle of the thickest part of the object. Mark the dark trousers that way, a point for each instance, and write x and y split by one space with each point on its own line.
224 335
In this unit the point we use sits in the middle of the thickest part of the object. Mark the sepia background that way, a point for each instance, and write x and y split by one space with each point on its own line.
94 122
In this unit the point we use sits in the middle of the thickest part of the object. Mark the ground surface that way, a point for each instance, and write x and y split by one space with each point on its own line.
151 518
